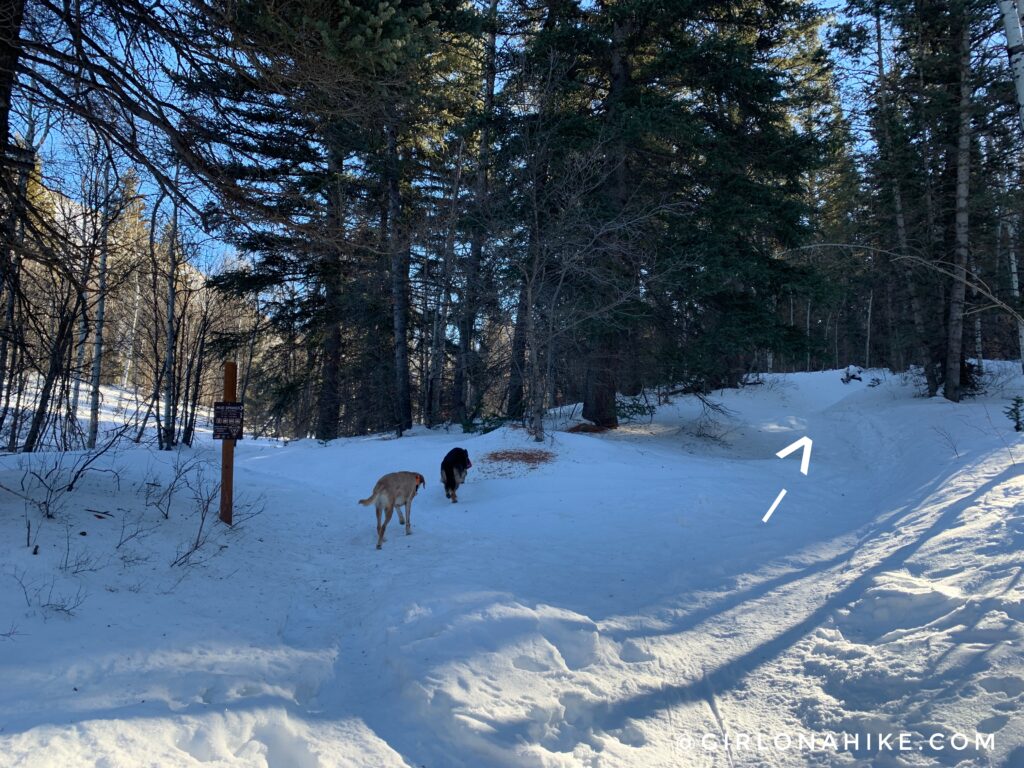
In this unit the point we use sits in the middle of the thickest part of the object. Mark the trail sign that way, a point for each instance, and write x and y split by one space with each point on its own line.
228 415
227 420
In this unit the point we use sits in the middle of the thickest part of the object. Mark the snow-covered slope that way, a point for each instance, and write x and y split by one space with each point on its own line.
622 604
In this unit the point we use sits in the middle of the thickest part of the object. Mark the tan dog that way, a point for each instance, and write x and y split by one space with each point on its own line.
392 491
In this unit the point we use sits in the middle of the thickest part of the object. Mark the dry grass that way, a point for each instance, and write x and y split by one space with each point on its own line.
531 458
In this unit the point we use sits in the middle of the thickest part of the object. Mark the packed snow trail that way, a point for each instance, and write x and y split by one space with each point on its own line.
622 604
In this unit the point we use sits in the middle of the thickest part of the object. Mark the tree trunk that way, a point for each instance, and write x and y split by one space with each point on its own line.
1015 50
151 405
439 332
468 309
886 148
867 341
15 373
167 426
535 387
250 352
197 381
896 359
97 346
807 333
1015 284
399 285
61 341
11 16
329 402
10 261
131 334
979 352
602 360
599 395
182 369
7 370
517 365
954 348
79 366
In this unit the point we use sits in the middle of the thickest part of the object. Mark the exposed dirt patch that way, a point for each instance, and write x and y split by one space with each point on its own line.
513 462
588 429
532 458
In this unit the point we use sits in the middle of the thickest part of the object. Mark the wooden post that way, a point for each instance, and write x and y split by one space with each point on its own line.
227 448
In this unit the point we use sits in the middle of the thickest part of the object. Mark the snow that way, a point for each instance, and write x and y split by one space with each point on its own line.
619 605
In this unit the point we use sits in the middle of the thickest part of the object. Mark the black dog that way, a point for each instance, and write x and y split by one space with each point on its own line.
453 471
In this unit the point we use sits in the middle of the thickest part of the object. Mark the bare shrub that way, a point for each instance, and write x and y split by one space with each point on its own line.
45 596
160 496
205 504
78 561
203 497
47 479
132 527
947 438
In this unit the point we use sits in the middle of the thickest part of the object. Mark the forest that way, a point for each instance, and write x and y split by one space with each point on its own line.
441 212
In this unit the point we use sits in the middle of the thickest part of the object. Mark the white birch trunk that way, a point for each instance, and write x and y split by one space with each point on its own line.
1015 48
132 333
1015 284
978 352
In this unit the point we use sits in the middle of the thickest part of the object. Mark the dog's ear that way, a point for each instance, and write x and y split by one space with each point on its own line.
421 480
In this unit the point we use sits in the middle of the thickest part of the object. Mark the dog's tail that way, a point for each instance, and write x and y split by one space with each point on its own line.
369 501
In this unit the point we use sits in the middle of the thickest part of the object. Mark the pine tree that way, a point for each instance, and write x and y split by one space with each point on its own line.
674 124
319 127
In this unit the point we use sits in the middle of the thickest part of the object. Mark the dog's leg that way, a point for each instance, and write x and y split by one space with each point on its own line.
454 497
383 528
408 517
380 531
401 520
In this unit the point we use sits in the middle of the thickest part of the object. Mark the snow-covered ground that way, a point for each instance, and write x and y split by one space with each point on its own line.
620 605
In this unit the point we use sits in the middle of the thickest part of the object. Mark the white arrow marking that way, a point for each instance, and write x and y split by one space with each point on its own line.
777 500
805 443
